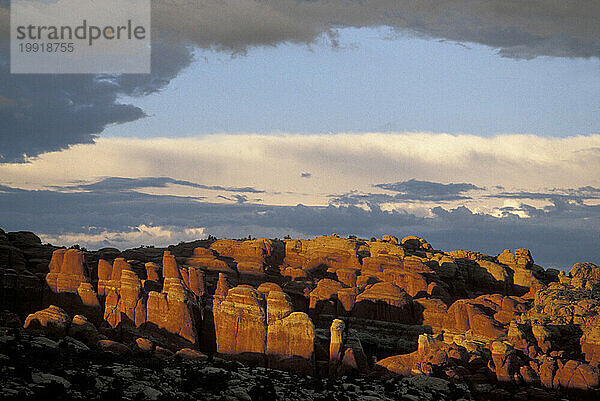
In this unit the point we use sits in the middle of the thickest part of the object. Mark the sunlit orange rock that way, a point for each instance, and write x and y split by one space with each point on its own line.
278 306
88 295
240 322
54 267
267 287
387 302
464 315
584 273
294 273
322 252
205 259
53 320
347 276
222 287
434 312
336 341
374 265
411 282
521 262
290 343
170 268
250 256
378 248
326 288
152 270
196 281
576 375
104 276
124 300
71 272
347 297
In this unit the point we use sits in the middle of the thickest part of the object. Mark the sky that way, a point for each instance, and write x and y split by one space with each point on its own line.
475 124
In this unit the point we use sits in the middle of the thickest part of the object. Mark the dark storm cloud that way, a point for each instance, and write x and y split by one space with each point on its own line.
408 191
235 198
522 29
579 194
558 235
427 189
53 112
112 184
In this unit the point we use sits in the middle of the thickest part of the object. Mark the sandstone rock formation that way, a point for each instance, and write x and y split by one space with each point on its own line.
250 256
53 321
240 322
290 343
322 253
494 324
387 302
205 259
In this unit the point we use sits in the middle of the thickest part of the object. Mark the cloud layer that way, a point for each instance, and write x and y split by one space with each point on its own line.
456 190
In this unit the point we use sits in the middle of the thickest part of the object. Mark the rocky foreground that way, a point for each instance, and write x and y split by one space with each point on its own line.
327 318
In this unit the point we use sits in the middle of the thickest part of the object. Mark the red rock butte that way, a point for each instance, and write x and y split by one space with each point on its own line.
329 306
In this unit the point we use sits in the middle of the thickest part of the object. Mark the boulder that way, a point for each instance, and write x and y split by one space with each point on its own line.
53 321
583 273
113 347
415 243
82 329
190 354
390 238
375 265
144 345
576 375
267 287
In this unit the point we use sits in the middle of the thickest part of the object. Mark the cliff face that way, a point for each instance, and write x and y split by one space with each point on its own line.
327 306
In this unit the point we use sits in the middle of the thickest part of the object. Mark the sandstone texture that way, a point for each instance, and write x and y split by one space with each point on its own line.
459 324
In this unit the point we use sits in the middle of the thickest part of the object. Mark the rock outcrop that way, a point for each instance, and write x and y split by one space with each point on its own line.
499 326
53 320
240 322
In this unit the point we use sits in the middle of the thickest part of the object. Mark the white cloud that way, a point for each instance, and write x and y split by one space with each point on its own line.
159 236
339 163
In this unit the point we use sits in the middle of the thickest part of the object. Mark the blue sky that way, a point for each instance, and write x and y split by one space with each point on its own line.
374 81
